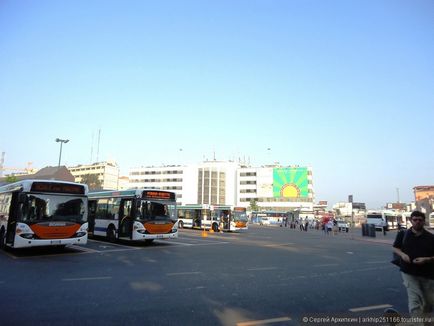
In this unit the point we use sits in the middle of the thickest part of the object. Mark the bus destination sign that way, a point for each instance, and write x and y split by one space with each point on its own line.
61 188
163 195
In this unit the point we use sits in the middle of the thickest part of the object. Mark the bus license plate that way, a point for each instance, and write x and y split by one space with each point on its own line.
56 242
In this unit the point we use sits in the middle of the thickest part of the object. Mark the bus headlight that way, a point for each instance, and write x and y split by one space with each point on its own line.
82 231
24 231
142 231
27 235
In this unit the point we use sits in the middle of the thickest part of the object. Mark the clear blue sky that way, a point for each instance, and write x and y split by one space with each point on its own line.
346 87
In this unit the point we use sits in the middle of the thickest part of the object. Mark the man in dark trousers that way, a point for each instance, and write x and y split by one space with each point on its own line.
416 250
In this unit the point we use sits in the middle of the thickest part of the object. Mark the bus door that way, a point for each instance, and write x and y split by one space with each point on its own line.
197 218
126 219
92 205
17 200
225 219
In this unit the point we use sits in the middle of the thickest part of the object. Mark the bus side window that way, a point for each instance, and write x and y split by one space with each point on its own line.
125 208
101 209
113 208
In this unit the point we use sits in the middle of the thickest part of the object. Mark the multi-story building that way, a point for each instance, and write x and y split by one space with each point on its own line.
180 179
107 173
351 211
424 196
276 188
272 187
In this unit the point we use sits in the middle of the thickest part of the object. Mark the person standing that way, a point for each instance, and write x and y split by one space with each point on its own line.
415 247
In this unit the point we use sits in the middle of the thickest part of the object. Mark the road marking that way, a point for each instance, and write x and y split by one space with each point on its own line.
117 250
262 269
205 244
87 278
263 322
180 243
183 273
381 306
280 245
84 249
105 244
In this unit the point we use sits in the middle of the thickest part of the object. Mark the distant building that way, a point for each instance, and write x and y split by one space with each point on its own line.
124 183
273 187
107 173
424 197
48 173
355 212
277 188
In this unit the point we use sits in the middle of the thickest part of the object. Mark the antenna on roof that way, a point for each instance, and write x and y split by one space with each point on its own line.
2 160
91 148
97 151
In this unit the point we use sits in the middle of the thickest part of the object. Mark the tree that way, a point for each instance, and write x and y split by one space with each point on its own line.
253 207
92 181
11 179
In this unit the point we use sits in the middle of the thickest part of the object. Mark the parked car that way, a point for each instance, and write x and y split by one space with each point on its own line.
343 226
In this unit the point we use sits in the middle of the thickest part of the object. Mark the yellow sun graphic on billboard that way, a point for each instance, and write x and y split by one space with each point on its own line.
290 190
290 182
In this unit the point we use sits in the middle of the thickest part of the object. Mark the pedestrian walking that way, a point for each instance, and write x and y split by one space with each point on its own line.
415 247
329 226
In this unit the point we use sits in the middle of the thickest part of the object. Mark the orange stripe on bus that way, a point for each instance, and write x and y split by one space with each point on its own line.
158 228
55 232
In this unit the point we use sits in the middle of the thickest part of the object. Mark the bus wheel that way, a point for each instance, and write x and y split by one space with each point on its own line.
111 234
181 224
149 241
215 227
2 238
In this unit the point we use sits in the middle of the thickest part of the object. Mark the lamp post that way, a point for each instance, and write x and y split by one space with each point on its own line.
61 141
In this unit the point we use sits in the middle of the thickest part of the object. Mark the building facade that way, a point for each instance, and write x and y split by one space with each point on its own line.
276 188
176 178
273 187
106 172
424 197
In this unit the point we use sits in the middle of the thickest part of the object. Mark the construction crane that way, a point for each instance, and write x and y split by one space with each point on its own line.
27 170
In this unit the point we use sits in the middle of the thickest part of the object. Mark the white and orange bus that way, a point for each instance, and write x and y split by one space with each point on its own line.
133 215
215 217
43 213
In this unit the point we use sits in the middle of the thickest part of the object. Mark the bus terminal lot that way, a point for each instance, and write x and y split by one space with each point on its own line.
266 275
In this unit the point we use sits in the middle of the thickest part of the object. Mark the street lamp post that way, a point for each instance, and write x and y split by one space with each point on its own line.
61 141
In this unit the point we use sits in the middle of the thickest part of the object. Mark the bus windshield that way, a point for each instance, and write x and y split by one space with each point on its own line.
39 208
240 216
155 211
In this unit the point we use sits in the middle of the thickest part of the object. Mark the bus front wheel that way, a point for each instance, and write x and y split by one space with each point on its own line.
181 224
149 241
215 227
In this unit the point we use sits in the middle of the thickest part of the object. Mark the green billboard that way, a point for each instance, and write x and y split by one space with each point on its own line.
290 182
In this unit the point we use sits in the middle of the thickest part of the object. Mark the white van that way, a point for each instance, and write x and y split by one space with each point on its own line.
378 219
